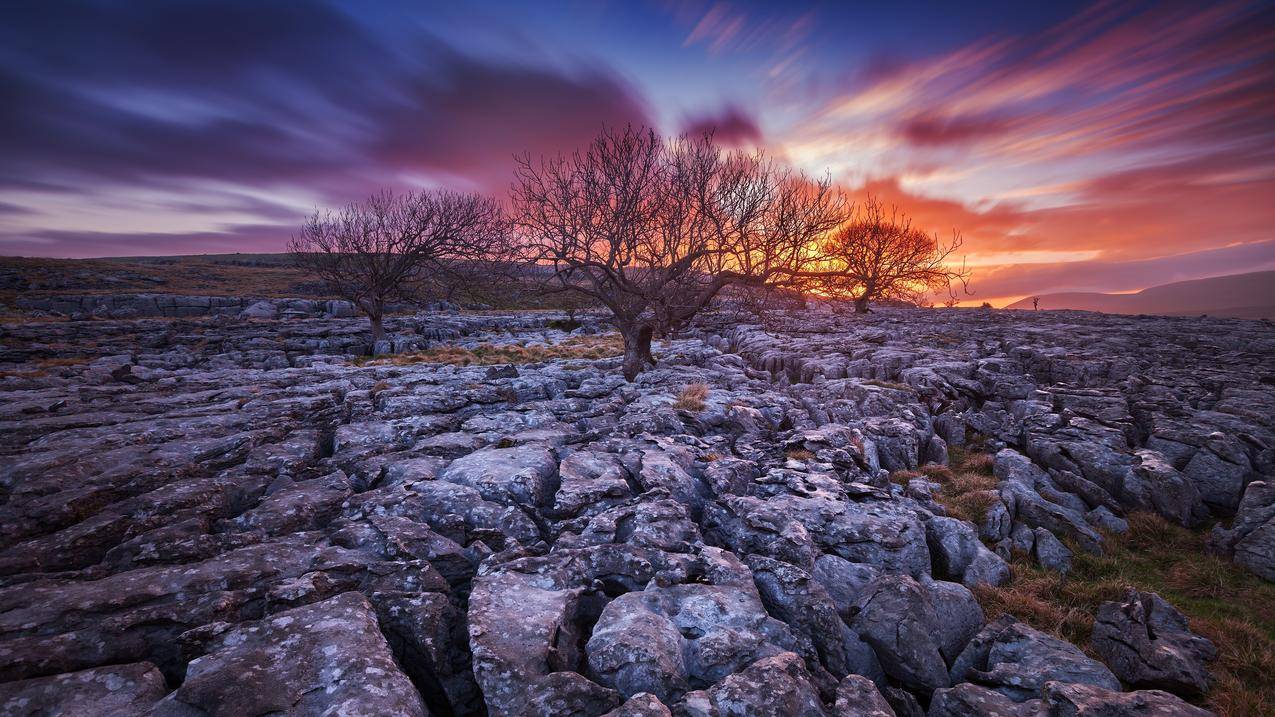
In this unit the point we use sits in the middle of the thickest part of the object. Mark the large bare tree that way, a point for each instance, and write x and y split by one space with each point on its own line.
879 255
655 229
396 247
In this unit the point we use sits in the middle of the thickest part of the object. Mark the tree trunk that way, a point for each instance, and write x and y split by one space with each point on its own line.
644 345
378 327
637 351
861 305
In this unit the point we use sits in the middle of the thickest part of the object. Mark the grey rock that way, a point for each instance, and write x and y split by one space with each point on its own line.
323 658
776 686
113 690
641 705
1083 700
894 616
857 696
1016 660
1251 537
959 555
1147 644
1050 552
523 475
970 700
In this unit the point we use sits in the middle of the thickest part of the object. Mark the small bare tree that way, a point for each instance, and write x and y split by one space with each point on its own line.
394 247
655 229
879 255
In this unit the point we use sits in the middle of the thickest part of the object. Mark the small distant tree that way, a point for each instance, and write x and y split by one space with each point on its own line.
1035 303
396 248
655 229
879 255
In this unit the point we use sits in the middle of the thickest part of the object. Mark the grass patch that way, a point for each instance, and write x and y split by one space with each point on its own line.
580 347
966 488
888 384
1230 606
799 454
692 397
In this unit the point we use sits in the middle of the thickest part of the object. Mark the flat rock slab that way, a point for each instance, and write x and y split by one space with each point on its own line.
325 658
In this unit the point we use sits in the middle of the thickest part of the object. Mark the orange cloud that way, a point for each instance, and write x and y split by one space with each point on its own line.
1121 135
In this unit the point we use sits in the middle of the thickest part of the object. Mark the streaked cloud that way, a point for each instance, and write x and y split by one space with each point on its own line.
1062 141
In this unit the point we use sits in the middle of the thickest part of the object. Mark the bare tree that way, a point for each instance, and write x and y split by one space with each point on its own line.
396 247
655 229
880 255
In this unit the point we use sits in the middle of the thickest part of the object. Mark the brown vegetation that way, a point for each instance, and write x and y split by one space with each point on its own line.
692 397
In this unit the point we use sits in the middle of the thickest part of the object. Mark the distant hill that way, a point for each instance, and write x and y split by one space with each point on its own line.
1243 296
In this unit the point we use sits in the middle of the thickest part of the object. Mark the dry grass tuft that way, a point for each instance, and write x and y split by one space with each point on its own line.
692 397
799 454
965 492
902 477
894 385
579 347
62 361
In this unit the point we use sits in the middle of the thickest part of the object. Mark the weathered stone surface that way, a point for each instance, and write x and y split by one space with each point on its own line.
1017 661
777 686
857 696
1050 552
894 616
524 475
1251 537
1081 700
970 700
113 690
1147 644
328 657
549 539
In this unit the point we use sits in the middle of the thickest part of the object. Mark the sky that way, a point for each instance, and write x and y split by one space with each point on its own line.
1075 146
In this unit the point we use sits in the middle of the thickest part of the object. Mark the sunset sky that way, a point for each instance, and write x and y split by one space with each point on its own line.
1081 146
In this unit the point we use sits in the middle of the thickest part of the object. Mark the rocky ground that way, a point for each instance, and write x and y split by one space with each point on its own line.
234 516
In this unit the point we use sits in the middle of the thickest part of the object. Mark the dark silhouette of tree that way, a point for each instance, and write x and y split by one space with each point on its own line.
1035 303
879 255
398 247
655 229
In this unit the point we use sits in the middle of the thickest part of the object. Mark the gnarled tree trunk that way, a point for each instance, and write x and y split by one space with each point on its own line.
637 350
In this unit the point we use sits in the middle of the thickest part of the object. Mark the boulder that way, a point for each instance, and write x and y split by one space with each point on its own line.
325 658
523 475
1147 644
894 616
1084 700
1251 537
1050 553
1016 660
857 696
970 700
959 555
112 690
777 686
260 310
